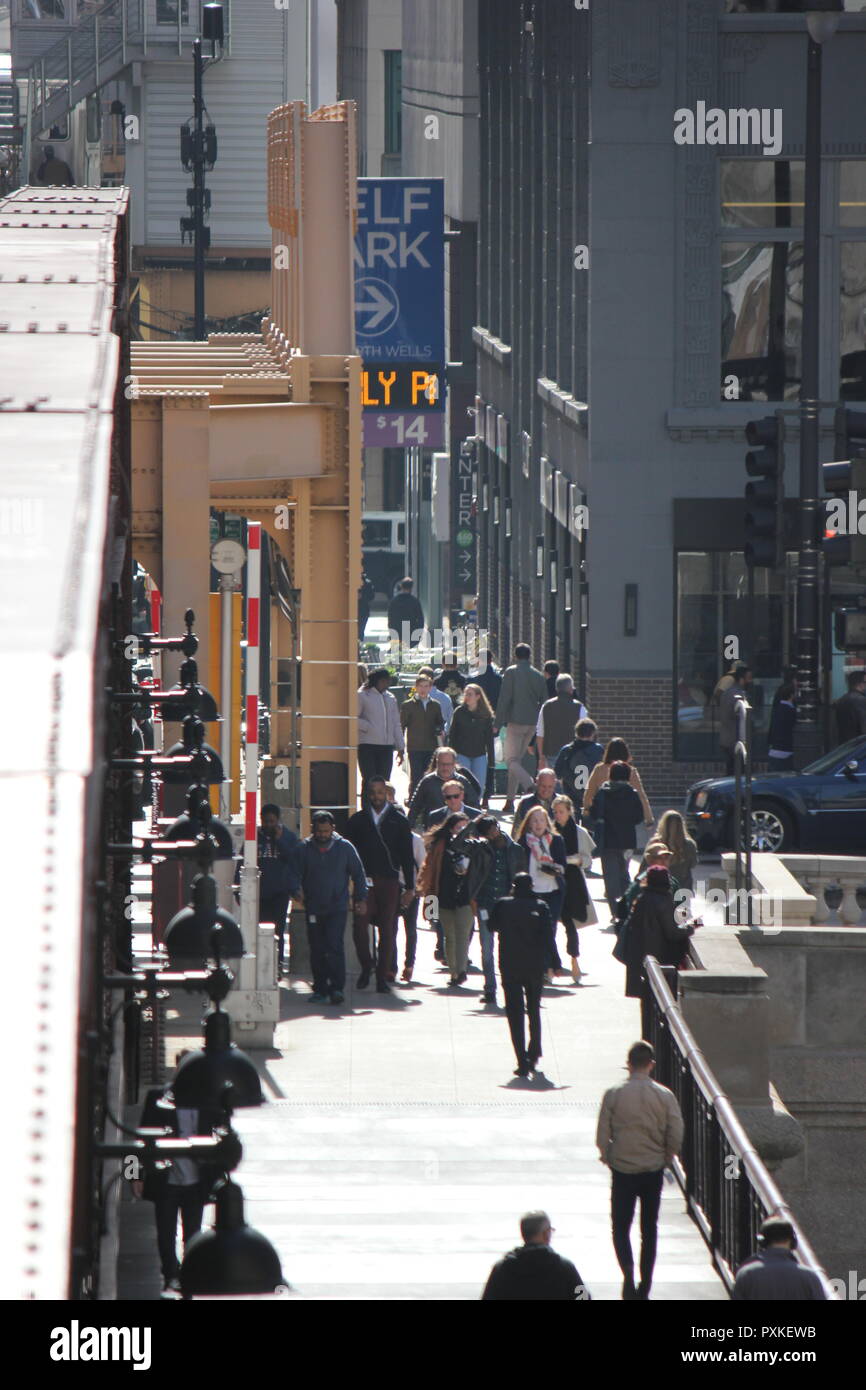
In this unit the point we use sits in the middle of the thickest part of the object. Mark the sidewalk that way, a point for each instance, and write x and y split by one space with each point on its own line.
397 1151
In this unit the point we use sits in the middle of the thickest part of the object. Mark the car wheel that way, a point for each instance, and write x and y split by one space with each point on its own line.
772 829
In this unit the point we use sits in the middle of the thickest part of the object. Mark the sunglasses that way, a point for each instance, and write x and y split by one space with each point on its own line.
453 796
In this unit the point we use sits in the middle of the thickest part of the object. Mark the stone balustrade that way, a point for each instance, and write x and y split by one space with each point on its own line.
805 889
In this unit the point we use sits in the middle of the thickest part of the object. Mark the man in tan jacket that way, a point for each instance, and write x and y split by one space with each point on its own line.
640 1130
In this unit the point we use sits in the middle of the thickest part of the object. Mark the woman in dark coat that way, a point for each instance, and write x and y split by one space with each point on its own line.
652 930
576 902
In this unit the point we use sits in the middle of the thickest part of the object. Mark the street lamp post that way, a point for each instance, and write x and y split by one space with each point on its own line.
821 24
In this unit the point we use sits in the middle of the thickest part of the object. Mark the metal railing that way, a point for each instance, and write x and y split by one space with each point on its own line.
97 50
743 808
727 1188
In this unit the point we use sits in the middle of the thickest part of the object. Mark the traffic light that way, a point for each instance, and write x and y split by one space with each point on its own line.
765 499
844 531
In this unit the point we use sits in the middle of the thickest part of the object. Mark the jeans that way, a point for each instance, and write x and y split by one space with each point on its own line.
478 768
375 759
274 910
410 924
522 998
517 740
488 942
457 927
554 906
614 866
625 1190
326 931
383 902
172 1202
418 765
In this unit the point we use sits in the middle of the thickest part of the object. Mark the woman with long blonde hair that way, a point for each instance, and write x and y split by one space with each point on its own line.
545 849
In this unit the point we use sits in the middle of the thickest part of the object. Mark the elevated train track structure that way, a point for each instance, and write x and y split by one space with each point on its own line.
65 570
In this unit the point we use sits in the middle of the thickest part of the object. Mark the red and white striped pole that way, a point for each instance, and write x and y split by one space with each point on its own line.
250 870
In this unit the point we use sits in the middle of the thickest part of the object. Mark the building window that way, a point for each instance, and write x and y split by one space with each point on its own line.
787 6
762 203
45 9
393 101
166 11
393 480
714 606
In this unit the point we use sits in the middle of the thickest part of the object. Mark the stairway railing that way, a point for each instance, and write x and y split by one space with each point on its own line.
727 1188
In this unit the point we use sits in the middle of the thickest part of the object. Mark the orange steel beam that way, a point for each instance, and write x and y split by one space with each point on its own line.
270 425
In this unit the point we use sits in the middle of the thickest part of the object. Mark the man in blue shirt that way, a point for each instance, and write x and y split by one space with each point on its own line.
327 865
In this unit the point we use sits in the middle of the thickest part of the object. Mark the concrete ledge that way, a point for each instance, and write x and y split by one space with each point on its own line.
777 888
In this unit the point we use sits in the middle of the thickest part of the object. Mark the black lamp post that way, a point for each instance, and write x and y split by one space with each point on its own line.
198 151
821 22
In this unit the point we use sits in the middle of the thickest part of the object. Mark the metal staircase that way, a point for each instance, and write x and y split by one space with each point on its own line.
96 51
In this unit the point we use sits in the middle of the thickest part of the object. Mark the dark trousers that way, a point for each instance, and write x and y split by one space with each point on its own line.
626 1189
383 902
325 932
172 1202
410 924
275 910
418 765
522 997
614 867
375 760
554 907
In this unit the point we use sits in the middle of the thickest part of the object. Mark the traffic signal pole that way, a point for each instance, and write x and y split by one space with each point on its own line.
808 598
198 190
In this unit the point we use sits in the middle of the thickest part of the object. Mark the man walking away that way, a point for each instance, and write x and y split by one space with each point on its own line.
379 729
405 616
618 812
851 708
640 1130
556 721
524 691
729 704
381 835
328 866
575 761
774 1275
509 860
524 928
534 1271
490 678
551 676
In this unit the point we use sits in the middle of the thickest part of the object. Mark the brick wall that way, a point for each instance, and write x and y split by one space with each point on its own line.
639 710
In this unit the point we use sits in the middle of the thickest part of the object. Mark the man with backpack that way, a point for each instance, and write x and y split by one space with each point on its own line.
575 761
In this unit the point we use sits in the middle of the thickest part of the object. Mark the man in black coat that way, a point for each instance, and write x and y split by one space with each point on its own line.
851 708
775 1275
617 812
651 929
524 930
383 839
406 616
534 1271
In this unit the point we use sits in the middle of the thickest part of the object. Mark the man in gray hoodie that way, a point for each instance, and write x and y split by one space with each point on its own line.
524 691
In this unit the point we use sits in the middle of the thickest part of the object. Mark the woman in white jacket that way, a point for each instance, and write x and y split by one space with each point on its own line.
379 731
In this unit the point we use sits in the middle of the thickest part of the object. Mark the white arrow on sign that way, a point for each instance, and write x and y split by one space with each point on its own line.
379 302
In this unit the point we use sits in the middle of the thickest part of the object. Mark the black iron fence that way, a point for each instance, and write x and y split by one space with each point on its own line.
727 1188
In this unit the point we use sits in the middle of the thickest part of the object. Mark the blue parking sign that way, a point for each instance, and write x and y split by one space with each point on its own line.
400 273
